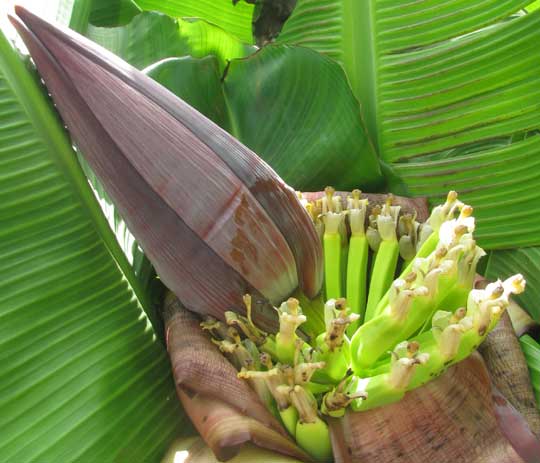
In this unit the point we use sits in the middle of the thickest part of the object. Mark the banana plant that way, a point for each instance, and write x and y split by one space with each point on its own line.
71 307
489 157
293 251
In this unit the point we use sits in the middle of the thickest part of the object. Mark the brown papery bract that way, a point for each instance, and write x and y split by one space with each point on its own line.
450 419
509 372
225 430
223 408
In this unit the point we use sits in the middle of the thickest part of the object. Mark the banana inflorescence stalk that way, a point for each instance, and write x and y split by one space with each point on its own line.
419 316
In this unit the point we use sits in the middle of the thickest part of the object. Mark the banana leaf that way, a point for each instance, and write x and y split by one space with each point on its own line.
444 87
526 261
150 36
107 13
317 113
531 349
236 20
82 376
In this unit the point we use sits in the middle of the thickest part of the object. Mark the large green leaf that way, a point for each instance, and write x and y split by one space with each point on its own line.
534 6
82 376
526 261
234 19
531 349
108 13
291 106
74 13
436 80
151 36
198 82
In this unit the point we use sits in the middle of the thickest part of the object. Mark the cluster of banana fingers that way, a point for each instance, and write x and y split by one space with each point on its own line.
386 336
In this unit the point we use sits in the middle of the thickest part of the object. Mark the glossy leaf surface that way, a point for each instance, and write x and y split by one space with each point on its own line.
293 107
234 19
82 376
107 13
152 36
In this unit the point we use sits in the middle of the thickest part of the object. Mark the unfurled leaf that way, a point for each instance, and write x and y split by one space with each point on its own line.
534 6
444 87
109 13
197 81
82 378
209 214
150 37
295 109
449 419
234 19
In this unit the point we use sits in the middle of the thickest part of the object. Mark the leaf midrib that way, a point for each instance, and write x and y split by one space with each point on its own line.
362 32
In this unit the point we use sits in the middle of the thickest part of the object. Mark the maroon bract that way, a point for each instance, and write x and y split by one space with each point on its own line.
214 219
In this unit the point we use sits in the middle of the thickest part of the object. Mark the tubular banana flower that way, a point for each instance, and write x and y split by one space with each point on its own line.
236 245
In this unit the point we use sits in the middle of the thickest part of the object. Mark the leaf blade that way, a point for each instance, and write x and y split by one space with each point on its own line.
234 19
440 79
63 297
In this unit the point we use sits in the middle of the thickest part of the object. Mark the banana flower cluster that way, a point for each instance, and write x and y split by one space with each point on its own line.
287 321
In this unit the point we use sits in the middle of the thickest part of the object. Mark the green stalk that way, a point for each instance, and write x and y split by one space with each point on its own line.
332 264
357 259
456 288
289 418
356 278
386 258
334 244
383 273
445 274
379 334
429 244
314 438
425 250
391 386
311 431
